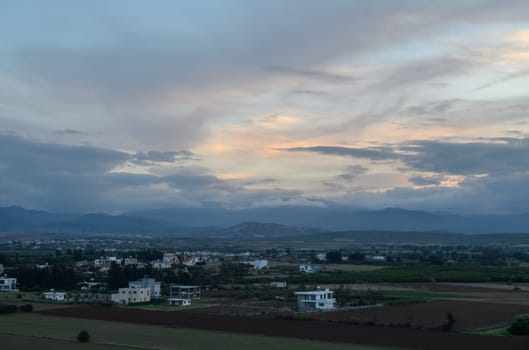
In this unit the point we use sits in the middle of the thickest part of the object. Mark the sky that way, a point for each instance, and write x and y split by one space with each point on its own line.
113 106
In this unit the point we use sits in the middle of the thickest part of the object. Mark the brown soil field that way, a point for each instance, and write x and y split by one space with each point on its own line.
468 315
305 329
485 293
454 288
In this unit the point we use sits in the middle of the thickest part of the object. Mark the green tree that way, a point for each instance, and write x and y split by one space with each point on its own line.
334 256
520 327
83 337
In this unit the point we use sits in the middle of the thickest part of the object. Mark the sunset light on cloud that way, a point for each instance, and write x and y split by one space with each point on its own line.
362 103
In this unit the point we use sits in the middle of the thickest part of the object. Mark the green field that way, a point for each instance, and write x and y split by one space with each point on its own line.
48 332
349 267
16 342
496 330
422 295
405 274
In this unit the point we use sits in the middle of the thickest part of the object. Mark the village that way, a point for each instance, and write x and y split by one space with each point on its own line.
417 288
147 290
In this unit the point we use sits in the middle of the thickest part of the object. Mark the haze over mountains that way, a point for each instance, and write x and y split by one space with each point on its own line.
277 221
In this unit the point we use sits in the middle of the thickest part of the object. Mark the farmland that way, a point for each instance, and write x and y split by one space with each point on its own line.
338 332
411 274
44 332
431 314
401 299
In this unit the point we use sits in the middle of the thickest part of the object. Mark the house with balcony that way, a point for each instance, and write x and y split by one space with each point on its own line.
8 284
154 287
316 300
180 295
308 268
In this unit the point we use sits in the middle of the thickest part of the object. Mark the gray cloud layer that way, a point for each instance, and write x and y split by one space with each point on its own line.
496 156
61 177
81 178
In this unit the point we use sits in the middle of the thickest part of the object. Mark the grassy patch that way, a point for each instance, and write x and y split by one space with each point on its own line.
16 342
422 295
496 330
350 267
405 274
149 337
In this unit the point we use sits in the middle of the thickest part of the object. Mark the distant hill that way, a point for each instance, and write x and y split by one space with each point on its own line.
262 230
15 219
351 238
336 218
12 218
259 222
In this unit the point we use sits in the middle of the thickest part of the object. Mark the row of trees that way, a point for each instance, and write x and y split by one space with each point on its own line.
58 276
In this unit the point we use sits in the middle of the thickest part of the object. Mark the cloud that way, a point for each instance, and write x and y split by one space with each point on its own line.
426 180
507 77
433 108
420 71
68 178
351 172
494 195
154 156
372 153
168 77
158 86
493 156
504 156
266 181
30 155
69 132
311 74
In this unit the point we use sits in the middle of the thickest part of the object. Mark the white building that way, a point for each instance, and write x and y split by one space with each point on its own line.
307 268
378 258
160 264
130 261
154 287
131 296
169 257
53 295
278 284
321 256
180 295
179 302
8 284
42 266
316 300
258 264
193 260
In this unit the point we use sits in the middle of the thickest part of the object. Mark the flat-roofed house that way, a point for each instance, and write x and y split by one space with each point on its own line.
8 284
316 300
181 295
131 296
53 295
154 287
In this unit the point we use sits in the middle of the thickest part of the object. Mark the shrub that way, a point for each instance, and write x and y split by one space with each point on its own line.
449 325
450 321
83 337
26 308
8 309
520 327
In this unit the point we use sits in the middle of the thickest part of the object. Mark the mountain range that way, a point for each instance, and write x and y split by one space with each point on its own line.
255 222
